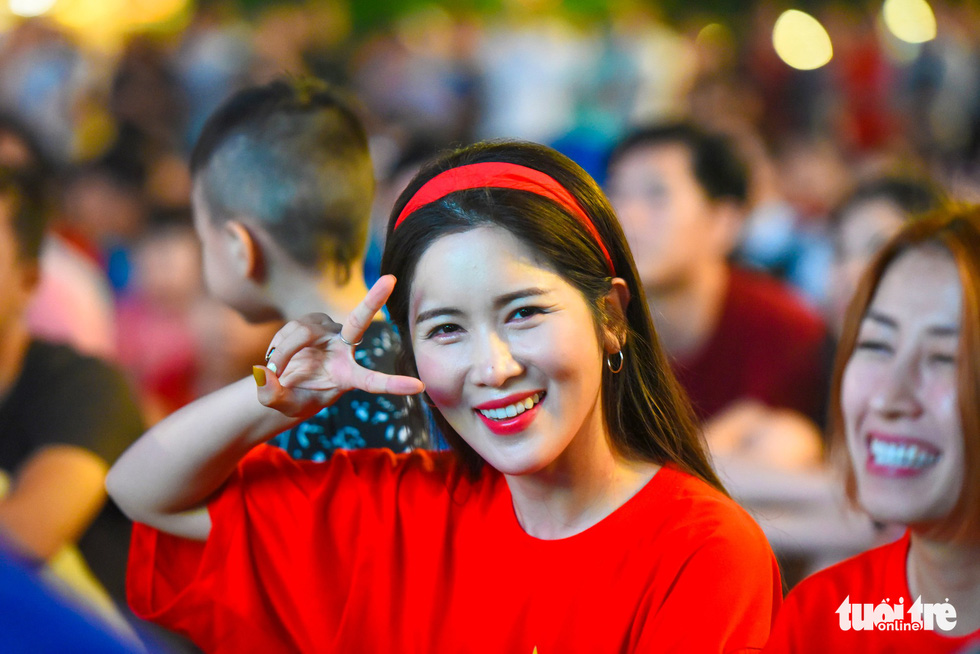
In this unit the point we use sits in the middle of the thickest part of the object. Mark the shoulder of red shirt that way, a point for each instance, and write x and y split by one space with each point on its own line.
693 498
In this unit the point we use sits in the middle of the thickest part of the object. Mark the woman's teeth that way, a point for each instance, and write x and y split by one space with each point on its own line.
894 455
512 410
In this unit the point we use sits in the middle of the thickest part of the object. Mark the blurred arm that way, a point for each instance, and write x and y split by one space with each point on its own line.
53 499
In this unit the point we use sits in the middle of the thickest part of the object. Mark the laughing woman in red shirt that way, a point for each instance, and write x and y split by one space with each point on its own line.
907 398
576 512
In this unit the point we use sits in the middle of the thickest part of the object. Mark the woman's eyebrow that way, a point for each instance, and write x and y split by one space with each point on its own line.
507 298
888 321
881 318
435 313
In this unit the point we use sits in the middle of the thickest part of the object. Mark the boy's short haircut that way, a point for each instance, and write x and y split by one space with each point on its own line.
292 156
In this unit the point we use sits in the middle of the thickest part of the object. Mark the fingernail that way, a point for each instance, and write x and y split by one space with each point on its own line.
271 366
259 373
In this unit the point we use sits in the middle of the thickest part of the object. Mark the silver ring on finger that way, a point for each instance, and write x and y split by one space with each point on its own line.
346 342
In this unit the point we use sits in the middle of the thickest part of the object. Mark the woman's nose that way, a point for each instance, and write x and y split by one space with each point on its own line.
493 362
895 393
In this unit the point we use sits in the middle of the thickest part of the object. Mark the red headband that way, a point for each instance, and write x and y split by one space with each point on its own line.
497 174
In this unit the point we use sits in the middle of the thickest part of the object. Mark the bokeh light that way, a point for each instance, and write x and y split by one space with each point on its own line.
898 51
801 41
910 20
29 8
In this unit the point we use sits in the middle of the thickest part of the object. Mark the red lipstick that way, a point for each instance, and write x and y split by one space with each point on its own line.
510 426
507 401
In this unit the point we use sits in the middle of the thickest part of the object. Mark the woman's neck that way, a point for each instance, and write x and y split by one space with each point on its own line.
941 571
587 483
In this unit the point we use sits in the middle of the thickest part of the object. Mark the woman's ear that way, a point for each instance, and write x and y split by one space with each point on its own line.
615 327
244 250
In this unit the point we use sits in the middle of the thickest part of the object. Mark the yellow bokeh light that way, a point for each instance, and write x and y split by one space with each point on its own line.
801 41
898 51
910 20
96 15
105 24
97 23
6 18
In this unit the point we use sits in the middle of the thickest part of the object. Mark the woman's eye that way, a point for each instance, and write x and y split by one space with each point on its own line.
943 358
443 330
873 346
526 312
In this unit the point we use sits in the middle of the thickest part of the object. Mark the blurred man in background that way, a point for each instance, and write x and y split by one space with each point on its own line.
740 343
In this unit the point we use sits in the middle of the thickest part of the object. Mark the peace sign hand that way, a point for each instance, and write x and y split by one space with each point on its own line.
315 359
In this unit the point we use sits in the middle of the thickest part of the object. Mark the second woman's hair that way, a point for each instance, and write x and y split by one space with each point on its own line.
647 413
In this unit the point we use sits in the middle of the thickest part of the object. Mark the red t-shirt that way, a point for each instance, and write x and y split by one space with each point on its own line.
767 346
382 552
809 620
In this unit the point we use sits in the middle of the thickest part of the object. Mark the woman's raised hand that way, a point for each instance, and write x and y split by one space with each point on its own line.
315 360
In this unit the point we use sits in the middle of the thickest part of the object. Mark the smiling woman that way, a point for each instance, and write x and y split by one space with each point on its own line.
898 392
907 426
576 512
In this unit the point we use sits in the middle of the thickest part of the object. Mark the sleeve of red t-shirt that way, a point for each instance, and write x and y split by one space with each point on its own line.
704 613
221 592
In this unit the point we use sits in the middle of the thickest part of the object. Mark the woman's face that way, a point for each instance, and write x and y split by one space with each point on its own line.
508 351
899 393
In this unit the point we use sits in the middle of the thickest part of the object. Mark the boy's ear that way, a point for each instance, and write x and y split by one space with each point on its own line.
246 253
616 301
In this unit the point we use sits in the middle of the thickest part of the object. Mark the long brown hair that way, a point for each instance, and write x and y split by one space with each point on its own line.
647 412
956 230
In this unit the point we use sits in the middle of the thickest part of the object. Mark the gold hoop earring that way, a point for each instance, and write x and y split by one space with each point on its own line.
619 365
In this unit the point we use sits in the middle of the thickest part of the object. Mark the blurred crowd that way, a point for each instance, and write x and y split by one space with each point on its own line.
836 157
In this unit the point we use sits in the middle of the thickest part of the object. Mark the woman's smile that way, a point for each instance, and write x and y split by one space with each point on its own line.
890 455
512 414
